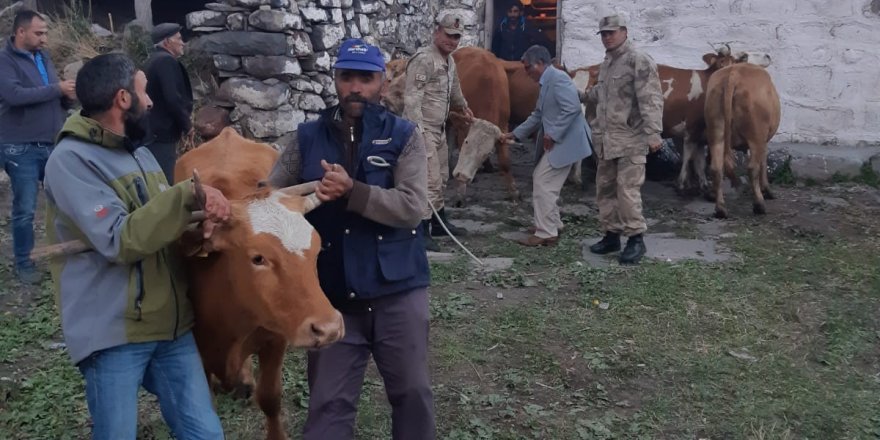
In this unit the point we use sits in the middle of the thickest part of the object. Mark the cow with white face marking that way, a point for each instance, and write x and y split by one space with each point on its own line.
254 285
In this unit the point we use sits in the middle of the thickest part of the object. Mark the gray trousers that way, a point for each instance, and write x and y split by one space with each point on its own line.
395 331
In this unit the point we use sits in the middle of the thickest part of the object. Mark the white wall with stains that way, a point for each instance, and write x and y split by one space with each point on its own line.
825 53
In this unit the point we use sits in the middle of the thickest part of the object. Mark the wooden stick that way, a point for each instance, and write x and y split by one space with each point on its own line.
77 246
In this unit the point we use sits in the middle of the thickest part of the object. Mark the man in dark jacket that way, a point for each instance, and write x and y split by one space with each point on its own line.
511 39
32 110
169 87
370 168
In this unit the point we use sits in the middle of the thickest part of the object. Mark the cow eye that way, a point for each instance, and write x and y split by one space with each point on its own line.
258 260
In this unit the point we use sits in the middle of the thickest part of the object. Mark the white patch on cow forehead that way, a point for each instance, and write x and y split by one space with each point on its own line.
696 86
270 216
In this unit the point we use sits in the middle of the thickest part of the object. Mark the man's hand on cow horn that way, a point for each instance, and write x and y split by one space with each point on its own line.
506 138
468 115
217 208
335 184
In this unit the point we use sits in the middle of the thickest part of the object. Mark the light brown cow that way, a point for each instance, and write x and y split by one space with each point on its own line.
742 113
257 288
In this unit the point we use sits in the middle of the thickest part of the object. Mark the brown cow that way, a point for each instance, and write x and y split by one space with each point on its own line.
484 85
257 290
742 113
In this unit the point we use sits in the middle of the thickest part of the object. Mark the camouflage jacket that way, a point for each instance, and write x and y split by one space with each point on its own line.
629 104
431 86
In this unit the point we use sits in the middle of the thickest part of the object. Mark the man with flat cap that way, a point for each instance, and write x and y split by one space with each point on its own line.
169 87
628 122
369 166
432 88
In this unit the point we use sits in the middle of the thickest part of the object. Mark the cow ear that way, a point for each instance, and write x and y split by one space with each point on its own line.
194 244
709 59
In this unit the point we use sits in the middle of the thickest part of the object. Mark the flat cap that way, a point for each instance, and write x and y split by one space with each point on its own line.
163 31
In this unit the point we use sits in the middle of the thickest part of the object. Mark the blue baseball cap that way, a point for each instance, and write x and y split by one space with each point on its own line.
355 54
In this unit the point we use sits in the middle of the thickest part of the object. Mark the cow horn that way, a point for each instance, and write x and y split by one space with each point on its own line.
301 189
312 201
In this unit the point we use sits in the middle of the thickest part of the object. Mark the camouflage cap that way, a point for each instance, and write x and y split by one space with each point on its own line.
451 24
612 23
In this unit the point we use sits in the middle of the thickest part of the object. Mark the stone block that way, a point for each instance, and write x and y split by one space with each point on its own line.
236 22
254 93
244 43
326 37
205 18
299 44
273 20
264 67
228 63
270 124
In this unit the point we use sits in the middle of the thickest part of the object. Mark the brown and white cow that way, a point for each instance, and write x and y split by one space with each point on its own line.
256 288
684 95
742 113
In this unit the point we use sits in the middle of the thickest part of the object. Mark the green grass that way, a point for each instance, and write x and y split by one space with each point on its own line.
784 343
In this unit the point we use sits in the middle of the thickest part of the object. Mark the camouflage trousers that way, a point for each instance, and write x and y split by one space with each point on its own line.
438 169
619 194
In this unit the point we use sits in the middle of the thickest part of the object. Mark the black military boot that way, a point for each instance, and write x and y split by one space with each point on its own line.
430 244
437 229
634 251
610 243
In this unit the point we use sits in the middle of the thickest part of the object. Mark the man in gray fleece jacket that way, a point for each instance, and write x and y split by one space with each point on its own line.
32 110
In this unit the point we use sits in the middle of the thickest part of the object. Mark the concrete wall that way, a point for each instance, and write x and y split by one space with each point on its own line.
824 52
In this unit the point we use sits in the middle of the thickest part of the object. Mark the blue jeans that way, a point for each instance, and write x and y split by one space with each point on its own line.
26 165
171 370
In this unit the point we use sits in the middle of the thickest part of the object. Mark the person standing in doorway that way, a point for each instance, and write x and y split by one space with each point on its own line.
628 123
169 87
512 38
32 110
432 89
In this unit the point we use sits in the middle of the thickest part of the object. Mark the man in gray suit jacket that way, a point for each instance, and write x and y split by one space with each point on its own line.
563 140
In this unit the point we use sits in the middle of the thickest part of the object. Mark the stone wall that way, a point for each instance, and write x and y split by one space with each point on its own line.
274 57
824 53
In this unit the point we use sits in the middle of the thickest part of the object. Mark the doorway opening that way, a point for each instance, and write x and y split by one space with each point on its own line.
518 23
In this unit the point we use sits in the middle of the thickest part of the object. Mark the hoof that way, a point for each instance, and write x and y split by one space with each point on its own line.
709 196
458 203
243 391
720 213
759 209
768 194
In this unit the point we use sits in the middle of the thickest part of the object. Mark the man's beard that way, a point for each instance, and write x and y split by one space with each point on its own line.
135 121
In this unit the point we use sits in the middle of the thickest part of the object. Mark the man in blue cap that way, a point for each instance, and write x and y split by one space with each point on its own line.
370 168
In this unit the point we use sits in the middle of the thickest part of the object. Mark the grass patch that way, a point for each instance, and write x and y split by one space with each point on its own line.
784 343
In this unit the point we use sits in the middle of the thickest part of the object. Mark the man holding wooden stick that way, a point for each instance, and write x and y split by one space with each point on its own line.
125 313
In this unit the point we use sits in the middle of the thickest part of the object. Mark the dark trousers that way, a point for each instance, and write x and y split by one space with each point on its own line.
395 331
166 154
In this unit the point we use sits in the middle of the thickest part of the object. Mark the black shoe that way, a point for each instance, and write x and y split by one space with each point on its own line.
430 244
634 251
610 243
437 229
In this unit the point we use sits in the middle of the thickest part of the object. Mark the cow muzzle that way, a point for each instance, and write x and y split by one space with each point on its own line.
316 333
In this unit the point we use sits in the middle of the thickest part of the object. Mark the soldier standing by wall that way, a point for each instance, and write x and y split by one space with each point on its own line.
432 87
628 122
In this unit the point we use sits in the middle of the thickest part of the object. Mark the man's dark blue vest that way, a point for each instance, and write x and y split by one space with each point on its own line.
361 259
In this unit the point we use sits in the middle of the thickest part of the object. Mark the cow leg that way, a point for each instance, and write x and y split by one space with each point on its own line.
717 179
575 175
687 148
756 178
765 180
271 356
503 152
699 161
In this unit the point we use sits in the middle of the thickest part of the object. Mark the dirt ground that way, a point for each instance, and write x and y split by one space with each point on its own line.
733 328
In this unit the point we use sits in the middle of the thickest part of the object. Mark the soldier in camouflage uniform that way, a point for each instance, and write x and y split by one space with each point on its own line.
628 122
432 87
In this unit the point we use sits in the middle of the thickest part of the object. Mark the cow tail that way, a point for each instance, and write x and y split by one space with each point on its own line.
728 127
